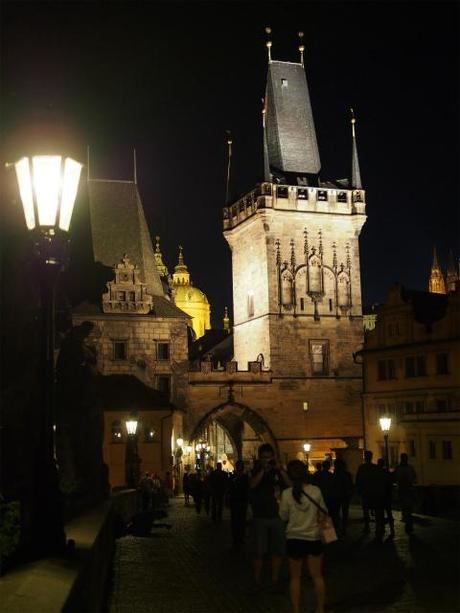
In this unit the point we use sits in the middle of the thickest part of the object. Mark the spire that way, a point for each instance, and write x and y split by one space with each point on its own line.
301 46
226 321
268 44
181 274
355 171
290 136
162 269
267 174
452 273
229 163
436 283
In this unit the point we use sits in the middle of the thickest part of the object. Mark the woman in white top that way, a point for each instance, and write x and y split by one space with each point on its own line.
302 533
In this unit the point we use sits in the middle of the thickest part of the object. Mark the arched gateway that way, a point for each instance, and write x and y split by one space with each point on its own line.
239 425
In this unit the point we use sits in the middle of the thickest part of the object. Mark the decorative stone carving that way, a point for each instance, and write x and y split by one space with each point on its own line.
127 294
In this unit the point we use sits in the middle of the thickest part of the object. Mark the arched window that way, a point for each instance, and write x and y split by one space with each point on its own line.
117 432
286 288
343 291
315 275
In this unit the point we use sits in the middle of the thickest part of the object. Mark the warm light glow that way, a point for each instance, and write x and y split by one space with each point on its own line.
72 170
46 171
385 424
180 442
307 447
131 426
188 449
48 188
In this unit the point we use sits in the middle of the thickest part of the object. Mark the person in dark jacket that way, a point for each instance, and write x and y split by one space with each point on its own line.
344 488
238 502
363 480
218 485
388 498
328 486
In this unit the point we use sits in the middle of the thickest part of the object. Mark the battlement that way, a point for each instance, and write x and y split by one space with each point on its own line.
295 198
206 373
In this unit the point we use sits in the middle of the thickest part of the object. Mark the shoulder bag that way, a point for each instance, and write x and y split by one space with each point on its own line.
326 527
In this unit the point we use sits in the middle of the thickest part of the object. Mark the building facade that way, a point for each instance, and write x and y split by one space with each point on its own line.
411 363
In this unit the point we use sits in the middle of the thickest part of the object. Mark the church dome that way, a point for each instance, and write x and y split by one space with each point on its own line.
189 293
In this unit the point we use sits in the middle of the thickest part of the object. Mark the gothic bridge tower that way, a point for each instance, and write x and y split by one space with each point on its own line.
294 241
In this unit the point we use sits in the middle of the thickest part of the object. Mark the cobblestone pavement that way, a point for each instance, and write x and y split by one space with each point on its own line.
192 569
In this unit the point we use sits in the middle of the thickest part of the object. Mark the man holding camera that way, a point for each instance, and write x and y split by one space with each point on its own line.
267 481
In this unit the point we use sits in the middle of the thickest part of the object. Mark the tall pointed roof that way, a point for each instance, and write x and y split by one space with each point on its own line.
436 283
452 273
290 135
355 170
119 227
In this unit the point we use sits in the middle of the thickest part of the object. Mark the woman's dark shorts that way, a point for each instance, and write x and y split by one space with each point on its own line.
297 548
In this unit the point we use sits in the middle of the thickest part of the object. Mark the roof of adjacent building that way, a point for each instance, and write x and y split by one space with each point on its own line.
122 392
218 342
162 307
290 137
119 228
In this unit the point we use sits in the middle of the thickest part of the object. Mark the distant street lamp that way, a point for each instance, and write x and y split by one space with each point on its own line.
385 425
48 186
132 459
306 448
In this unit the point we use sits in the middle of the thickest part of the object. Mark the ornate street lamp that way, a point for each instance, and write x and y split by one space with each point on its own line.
306 449
385 425
132 458
48 186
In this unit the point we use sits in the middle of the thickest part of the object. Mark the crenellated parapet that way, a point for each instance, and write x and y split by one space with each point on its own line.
206 373
295 198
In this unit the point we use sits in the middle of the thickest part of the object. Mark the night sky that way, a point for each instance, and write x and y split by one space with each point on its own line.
169 79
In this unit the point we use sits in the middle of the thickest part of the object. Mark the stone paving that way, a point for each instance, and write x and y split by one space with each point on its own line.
192 569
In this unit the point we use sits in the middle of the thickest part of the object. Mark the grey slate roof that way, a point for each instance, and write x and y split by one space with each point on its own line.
162 307
119 227
355 170
290 129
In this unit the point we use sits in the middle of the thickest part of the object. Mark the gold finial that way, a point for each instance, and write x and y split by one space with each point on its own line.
301 46
181 256
353 121
268 44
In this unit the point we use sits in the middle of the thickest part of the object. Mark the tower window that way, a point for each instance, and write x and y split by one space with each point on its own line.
250 305
132 296
302 304
120 350
321 195
163 351
302 194
319 357
330 304
282 192
342 197
284 82
163 384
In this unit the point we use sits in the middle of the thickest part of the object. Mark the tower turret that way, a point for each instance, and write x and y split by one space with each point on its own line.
161 266
452 273
436 283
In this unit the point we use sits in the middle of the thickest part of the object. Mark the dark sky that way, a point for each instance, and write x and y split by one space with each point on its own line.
169 79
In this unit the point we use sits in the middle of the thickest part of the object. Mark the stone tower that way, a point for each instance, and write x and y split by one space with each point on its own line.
294 241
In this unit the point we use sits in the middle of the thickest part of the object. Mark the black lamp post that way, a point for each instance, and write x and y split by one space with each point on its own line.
48 186
132 457
385 425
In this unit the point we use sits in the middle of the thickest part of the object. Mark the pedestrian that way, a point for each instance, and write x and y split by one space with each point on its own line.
217 486
267 480
329 489
186 485
207 489
405 478
238 489
363 478
197 490
315 478
388 498
169 485
299 508
344 487
146 490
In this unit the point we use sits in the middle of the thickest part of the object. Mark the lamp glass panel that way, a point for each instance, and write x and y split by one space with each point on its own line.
180 442
306 447
131 426
71 179
47 185
385 424
25 190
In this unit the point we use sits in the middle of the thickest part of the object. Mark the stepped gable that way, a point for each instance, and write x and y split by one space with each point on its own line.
118 226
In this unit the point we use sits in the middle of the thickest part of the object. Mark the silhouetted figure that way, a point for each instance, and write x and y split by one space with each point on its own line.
267 479
300 508
315 477
218 486
196 481
405 478
207 490
388 498
238 502
146 490
363 487
186 487
344 486
329 489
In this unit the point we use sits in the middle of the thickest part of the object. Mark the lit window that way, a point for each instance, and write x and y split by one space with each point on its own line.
120 350
163 351
321 195
319 357
149 433
284 82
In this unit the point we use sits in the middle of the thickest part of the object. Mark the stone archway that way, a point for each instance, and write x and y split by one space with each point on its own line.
237 420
